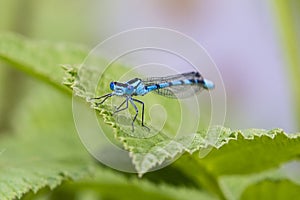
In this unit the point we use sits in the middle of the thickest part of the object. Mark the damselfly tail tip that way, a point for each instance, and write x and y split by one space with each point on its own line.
208 84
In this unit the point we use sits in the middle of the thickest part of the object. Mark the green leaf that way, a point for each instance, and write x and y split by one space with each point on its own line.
43 154
2 89
235 186
149 152
100 186
229 153
268 189
251 151
39 59
245 153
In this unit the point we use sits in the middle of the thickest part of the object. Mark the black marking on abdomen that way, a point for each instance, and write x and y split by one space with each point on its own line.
193 81
201 80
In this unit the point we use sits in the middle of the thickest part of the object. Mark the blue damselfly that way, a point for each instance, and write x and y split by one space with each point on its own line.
175 86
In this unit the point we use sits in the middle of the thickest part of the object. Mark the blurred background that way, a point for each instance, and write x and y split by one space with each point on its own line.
255 45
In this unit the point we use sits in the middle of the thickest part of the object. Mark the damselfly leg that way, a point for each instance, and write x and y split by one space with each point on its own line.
143 111
104 97
119 108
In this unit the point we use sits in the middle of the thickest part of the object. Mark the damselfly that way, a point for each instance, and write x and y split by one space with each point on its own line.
175 86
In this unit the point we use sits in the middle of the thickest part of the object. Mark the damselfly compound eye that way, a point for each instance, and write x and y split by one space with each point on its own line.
112 85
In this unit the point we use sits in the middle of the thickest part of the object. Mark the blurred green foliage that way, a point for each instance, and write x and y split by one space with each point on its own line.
288 14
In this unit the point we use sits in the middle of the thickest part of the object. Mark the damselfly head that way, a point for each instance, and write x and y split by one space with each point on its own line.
112 85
